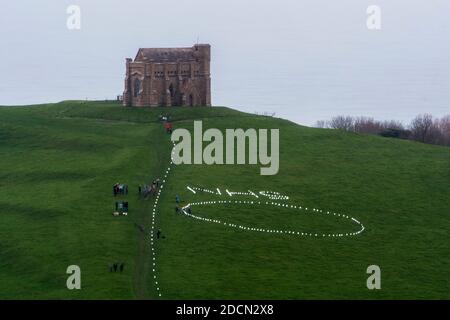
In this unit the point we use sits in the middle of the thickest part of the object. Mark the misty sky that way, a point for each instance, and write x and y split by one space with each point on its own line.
306 60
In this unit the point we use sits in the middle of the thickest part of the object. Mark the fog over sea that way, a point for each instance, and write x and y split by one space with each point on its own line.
304 60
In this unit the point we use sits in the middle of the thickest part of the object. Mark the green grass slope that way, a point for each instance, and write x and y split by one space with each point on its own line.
59 162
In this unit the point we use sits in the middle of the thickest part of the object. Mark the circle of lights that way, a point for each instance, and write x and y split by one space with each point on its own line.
271 230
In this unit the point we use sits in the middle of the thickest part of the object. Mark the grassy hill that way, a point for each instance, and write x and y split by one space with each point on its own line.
59 161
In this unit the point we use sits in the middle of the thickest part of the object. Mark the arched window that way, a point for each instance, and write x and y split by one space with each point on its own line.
137 87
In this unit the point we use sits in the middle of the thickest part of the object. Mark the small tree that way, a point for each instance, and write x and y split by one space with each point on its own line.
393 124
421 127
321 124
367 125
342 123
444 128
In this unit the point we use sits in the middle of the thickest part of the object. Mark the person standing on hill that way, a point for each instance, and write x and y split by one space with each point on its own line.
168 127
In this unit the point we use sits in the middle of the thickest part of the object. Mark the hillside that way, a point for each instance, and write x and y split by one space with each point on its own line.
59 162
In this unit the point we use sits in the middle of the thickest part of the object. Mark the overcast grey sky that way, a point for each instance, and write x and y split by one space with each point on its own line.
303 59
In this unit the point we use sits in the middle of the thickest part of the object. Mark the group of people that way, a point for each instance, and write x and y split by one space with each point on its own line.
146 190
120 189
121 208
122 205
116 266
